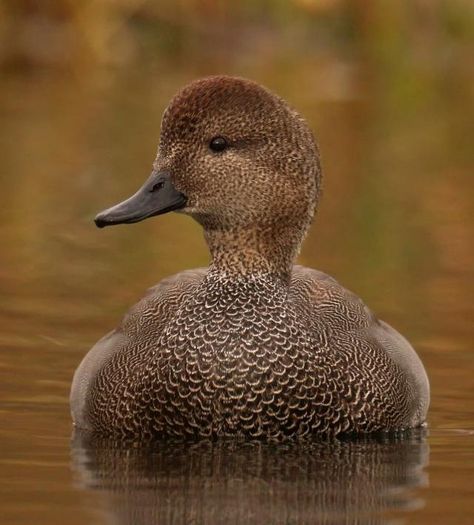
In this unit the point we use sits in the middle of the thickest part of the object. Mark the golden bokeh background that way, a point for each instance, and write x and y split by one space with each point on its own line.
388 89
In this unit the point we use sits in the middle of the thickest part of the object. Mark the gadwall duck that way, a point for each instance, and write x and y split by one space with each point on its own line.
252 346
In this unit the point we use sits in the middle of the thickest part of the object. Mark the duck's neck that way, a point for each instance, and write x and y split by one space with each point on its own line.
250 252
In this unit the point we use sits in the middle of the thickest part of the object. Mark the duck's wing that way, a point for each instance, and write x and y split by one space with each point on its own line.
350 326
403 354
140 325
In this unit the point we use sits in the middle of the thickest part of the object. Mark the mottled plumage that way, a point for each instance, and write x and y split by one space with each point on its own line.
252 346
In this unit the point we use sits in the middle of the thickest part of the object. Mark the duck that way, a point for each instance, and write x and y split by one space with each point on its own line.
254 346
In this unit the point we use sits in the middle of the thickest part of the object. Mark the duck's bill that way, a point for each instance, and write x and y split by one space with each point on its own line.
155 197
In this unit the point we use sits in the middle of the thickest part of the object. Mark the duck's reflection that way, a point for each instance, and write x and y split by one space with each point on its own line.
340 482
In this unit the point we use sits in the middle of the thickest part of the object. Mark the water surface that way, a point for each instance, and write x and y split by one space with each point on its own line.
395 226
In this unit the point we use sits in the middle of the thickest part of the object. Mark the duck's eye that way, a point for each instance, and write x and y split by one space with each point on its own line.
218 144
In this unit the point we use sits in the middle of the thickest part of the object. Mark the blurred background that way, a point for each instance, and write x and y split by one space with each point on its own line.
388 89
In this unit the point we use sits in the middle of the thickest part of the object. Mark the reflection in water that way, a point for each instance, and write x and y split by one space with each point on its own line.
250 482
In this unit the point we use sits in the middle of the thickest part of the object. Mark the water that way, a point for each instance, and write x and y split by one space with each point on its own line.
254 482
395 226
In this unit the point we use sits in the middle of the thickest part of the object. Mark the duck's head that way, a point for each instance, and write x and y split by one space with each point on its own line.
236 158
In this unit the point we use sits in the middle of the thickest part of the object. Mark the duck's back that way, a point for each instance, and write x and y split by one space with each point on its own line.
381 374
202 356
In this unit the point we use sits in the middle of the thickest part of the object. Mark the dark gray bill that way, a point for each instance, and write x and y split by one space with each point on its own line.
155 197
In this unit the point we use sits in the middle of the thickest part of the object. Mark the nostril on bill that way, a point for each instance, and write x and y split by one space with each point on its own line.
157 186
